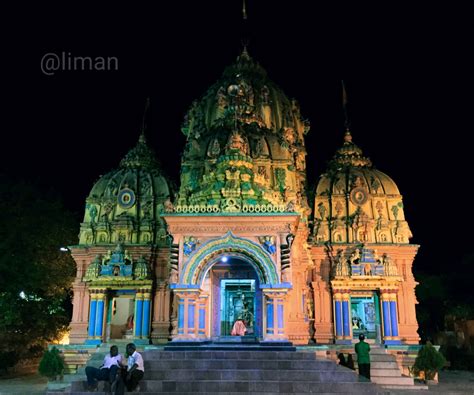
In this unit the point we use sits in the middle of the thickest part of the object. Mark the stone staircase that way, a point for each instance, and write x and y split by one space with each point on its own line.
384 371
243 371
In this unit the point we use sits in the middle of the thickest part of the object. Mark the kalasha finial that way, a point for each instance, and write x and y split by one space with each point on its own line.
348 136
244 10
142 138
347 123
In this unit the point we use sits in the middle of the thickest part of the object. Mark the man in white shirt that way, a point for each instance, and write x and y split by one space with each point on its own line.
107 372
134 371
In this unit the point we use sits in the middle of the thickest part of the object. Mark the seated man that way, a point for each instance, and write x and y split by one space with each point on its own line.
107 372
133 372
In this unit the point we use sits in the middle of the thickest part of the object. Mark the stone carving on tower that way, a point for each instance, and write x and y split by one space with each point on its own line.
245 147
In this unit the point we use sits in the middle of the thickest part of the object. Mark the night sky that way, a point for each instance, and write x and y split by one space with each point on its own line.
407 74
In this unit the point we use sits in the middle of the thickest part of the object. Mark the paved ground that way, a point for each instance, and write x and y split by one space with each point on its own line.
31 385
451 383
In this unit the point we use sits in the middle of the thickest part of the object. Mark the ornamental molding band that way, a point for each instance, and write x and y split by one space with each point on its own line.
244 208
195 269
231 228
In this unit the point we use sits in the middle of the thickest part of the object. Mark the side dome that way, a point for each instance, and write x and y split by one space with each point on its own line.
244 105
124 205
356 203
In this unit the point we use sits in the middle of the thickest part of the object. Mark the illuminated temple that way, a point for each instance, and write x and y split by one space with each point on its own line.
239 240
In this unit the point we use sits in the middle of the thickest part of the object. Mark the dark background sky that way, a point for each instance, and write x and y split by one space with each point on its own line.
407 73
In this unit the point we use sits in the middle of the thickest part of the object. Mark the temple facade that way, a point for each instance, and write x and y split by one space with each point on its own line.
237 241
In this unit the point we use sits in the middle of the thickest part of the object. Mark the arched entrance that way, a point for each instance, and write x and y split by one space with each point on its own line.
235 294
227 278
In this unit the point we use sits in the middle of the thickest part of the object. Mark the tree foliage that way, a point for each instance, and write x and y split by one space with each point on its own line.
429 361
445 297
35 276
52 364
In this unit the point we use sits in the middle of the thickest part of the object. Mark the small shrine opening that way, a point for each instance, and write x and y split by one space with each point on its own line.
120 315
237 303
366 315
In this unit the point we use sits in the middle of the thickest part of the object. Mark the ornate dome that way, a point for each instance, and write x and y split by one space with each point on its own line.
356 203
244 102
124 205
261 102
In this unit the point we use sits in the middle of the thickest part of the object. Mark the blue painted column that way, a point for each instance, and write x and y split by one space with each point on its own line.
345 318
387 329
138 314
270 318
394 318
280 316
191 313
180 316
99 323
338 314
92 314
146 315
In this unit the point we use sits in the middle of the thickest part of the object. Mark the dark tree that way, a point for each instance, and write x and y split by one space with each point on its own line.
35 276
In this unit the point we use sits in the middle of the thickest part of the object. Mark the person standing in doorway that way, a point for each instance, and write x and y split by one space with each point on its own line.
362 350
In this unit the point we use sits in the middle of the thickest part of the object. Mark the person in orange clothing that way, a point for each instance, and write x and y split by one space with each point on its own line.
239 328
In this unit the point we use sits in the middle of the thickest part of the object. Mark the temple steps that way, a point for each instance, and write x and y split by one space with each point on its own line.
385 372
243 371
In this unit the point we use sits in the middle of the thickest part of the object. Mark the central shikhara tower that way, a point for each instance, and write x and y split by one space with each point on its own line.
238 240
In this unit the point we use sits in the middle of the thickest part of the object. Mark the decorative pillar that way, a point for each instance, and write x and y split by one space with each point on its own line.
337 297
92 315
181 303
99 322
280 317
202 319
270 330
161 314
342 316
146 314
274 328
393 319
387 327
191 316
346 322
191 313
138 314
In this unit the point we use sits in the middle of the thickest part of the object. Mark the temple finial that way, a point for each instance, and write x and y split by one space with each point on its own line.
347 123
348 136
244 10
245 52
145 112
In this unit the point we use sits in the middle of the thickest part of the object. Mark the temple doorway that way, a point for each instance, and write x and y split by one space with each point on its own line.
235 296
237 303
120 315
365 315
